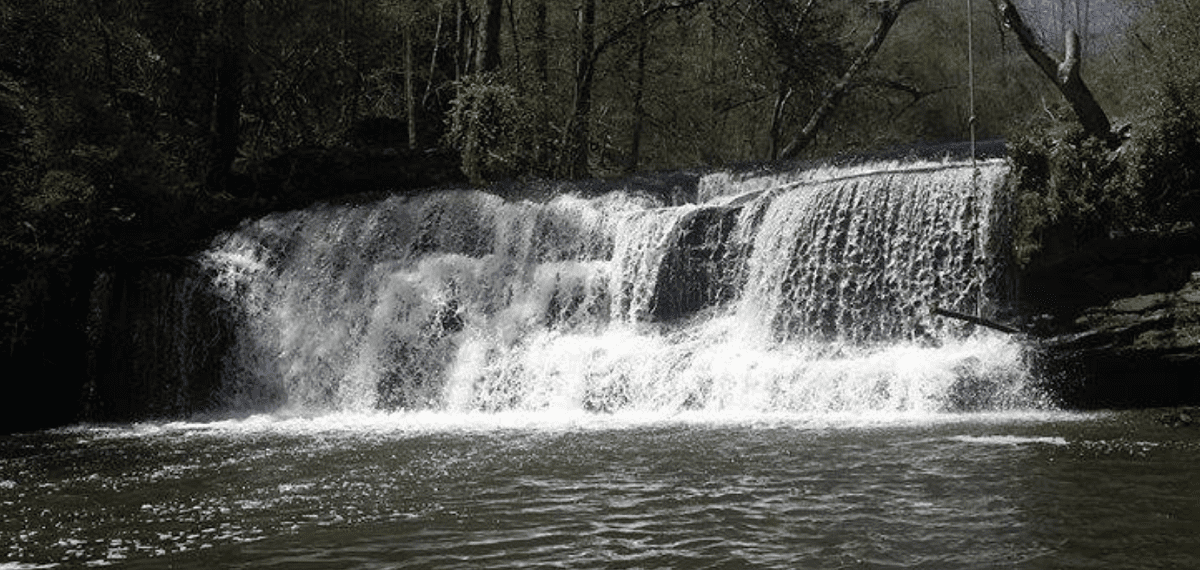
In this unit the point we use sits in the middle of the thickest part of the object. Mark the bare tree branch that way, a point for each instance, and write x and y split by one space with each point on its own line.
574 161
641 19
1064 75
888 12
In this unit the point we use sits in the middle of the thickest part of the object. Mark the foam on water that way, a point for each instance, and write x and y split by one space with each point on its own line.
1011 440
384 425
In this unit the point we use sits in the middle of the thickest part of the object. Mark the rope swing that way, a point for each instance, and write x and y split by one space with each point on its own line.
971 120
971 86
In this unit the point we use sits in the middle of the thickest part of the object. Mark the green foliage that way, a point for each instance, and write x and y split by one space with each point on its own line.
1061 178
1162 161
494 128
1165 53
61 193
1071 189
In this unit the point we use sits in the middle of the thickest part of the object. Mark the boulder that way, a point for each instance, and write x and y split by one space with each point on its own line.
700 268
1180 418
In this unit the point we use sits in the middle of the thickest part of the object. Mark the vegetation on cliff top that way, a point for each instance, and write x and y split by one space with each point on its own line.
1073 188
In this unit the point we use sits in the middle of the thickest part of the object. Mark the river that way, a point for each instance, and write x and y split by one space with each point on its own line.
1014 489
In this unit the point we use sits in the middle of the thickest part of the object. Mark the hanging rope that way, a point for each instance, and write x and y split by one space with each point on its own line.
971 123
971 86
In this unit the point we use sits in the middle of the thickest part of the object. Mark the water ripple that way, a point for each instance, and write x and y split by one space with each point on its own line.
1044 494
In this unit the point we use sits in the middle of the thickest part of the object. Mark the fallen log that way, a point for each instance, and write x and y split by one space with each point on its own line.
974 320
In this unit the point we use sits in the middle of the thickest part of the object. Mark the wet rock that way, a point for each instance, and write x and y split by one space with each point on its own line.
1140 303
699 268
1135 351
1164 324
1136 270
1183 417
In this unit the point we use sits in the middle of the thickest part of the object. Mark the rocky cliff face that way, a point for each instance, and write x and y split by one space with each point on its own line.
1142 350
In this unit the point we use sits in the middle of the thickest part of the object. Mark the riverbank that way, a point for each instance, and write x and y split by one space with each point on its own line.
1139 351
1107 249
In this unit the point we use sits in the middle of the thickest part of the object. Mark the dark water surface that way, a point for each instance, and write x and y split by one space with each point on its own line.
1013 489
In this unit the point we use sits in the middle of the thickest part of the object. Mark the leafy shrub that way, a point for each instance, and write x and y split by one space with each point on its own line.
495 129
1162 162
1062 188
1071 189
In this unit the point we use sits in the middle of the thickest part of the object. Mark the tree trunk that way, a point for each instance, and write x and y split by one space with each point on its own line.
410 98
465 39
573 161
488 54
639 108
575 149
781 100
437 36
974 320
541 59
1064 75
227 105
888 13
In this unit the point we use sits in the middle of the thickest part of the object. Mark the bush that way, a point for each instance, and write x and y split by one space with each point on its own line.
1070 189
1162 162
1062 189
495 129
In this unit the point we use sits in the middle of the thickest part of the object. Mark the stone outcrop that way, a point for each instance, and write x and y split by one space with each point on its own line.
700 268
1069 276
1142 350
1116 320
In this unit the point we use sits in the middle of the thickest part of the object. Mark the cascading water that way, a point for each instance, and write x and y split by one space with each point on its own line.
861 258
810 295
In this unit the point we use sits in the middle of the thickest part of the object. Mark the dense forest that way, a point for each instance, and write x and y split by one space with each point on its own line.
130 130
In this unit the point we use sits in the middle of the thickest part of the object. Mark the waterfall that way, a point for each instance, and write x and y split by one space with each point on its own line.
370 306
796 292
157 336
862 257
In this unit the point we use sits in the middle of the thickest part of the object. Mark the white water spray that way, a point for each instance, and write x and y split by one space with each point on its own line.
810 296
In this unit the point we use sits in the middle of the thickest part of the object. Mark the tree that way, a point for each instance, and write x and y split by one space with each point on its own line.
410 98
574 161
488 51
541 56
639 95
1063 74
887 11
227 106
803 39
575 153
